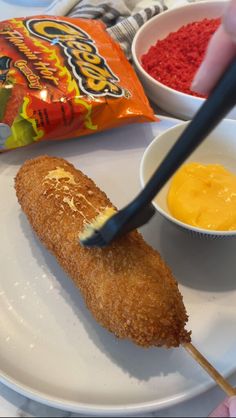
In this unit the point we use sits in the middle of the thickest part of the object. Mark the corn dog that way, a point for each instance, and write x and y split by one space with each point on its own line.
127 286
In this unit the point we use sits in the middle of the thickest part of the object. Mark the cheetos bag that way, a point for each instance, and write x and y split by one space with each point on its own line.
63 78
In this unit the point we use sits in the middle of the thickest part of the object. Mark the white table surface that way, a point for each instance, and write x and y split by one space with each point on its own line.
15 405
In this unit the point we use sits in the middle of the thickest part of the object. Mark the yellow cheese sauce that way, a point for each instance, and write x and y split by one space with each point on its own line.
204 196
60 173
97 223
71 198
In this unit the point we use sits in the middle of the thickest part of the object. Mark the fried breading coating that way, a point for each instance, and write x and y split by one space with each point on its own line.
127 286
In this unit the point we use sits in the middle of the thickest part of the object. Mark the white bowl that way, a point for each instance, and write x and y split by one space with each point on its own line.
218 148
179 104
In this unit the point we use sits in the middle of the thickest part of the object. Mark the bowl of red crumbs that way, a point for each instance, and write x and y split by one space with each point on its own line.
168 50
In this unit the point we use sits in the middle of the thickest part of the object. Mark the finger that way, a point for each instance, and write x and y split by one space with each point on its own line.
229 20
220 51
232 406
221 411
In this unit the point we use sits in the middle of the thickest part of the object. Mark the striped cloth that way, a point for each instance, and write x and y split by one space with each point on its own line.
122 17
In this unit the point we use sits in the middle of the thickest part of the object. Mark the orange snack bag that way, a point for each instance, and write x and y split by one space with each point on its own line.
63 78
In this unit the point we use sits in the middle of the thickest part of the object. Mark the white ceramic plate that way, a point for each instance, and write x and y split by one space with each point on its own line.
53 351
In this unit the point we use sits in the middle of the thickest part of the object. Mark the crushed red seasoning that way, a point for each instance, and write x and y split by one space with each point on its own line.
173 61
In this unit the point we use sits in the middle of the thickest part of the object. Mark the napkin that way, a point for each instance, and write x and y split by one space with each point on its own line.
123 18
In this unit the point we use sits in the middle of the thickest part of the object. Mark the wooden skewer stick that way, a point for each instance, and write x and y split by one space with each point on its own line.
227 388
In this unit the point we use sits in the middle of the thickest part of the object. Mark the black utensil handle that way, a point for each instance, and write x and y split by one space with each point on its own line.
214 109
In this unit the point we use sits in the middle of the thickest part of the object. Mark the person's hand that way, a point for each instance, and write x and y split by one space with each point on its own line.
221 50
225 409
